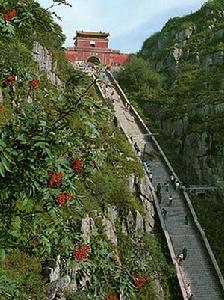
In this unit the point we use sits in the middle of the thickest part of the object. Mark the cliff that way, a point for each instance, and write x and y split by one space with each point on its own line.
189 52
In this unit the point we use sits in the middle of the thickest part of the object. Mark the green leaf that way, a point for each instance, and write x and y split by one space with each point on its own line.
5 164
8 157
2 170
42 145
2 254
22 139
25 204
2 143
15 226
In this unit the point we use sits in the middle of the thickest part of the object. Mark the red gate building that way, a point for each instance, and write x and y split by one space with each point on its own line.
94 47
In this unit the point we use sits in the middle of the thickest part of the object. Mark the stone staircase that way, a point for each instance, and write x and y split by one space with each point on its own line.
197 269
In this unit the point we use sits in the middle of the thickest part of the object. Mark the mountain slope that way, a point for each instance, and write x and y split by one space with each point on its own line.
189 52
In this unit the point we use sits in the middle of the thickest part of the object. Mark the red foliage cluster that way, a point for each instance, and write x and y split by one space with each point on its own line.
35 83
82 252
55 178
10 14
63 198
111 297
140 282
2 109
9 79
77 165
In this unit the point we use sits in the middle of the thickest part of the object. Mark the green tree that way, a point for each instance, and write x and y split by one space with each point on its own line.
139 80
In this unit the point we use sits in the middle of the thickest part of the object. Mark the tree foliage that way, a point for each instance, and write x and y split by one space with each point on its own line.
139 80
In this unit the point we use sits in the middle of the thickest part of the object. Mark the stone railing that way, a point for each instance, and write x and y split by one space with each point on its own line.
171 170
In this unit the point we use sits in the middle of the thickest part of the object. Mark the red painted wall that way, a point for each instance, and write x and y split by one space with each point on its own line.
105 57
85 42
83 51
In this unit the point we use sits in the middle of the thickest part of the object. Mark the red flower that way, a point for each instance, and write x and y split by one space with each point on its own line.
2 109
35 83
81 253
77 165
111 297
63 198
140 282
10 14
55 178
9 79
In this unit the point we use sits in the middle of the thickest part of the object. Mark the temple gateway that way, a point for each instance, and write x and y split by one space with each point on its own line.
94 47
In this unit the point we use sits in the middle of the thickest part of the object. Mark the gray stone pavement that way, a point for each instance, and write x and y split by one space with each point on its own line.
196 269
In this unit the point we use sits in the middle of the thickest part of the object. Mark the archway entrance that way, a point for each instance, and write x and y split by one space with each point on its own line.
94 60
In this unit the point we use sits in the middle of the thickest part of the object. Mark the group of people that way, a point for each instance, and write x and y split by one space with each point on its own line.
170 198
175 182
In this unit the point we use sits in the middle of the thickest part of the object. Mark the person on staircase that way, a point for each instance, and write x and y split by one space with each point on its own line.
177 185
150 176
137 148
164 213
184 251
189 293
166 184
159 198
158 188
172 179
170 200
158 192
180 258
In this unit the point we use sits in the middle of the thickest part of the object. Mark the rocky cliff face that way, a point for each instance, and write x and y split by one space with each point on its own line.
45 61
202 152
195 39
189 52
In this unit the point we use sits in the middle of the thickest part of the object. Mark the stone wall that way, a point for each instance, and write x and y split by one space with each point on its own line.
46 63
